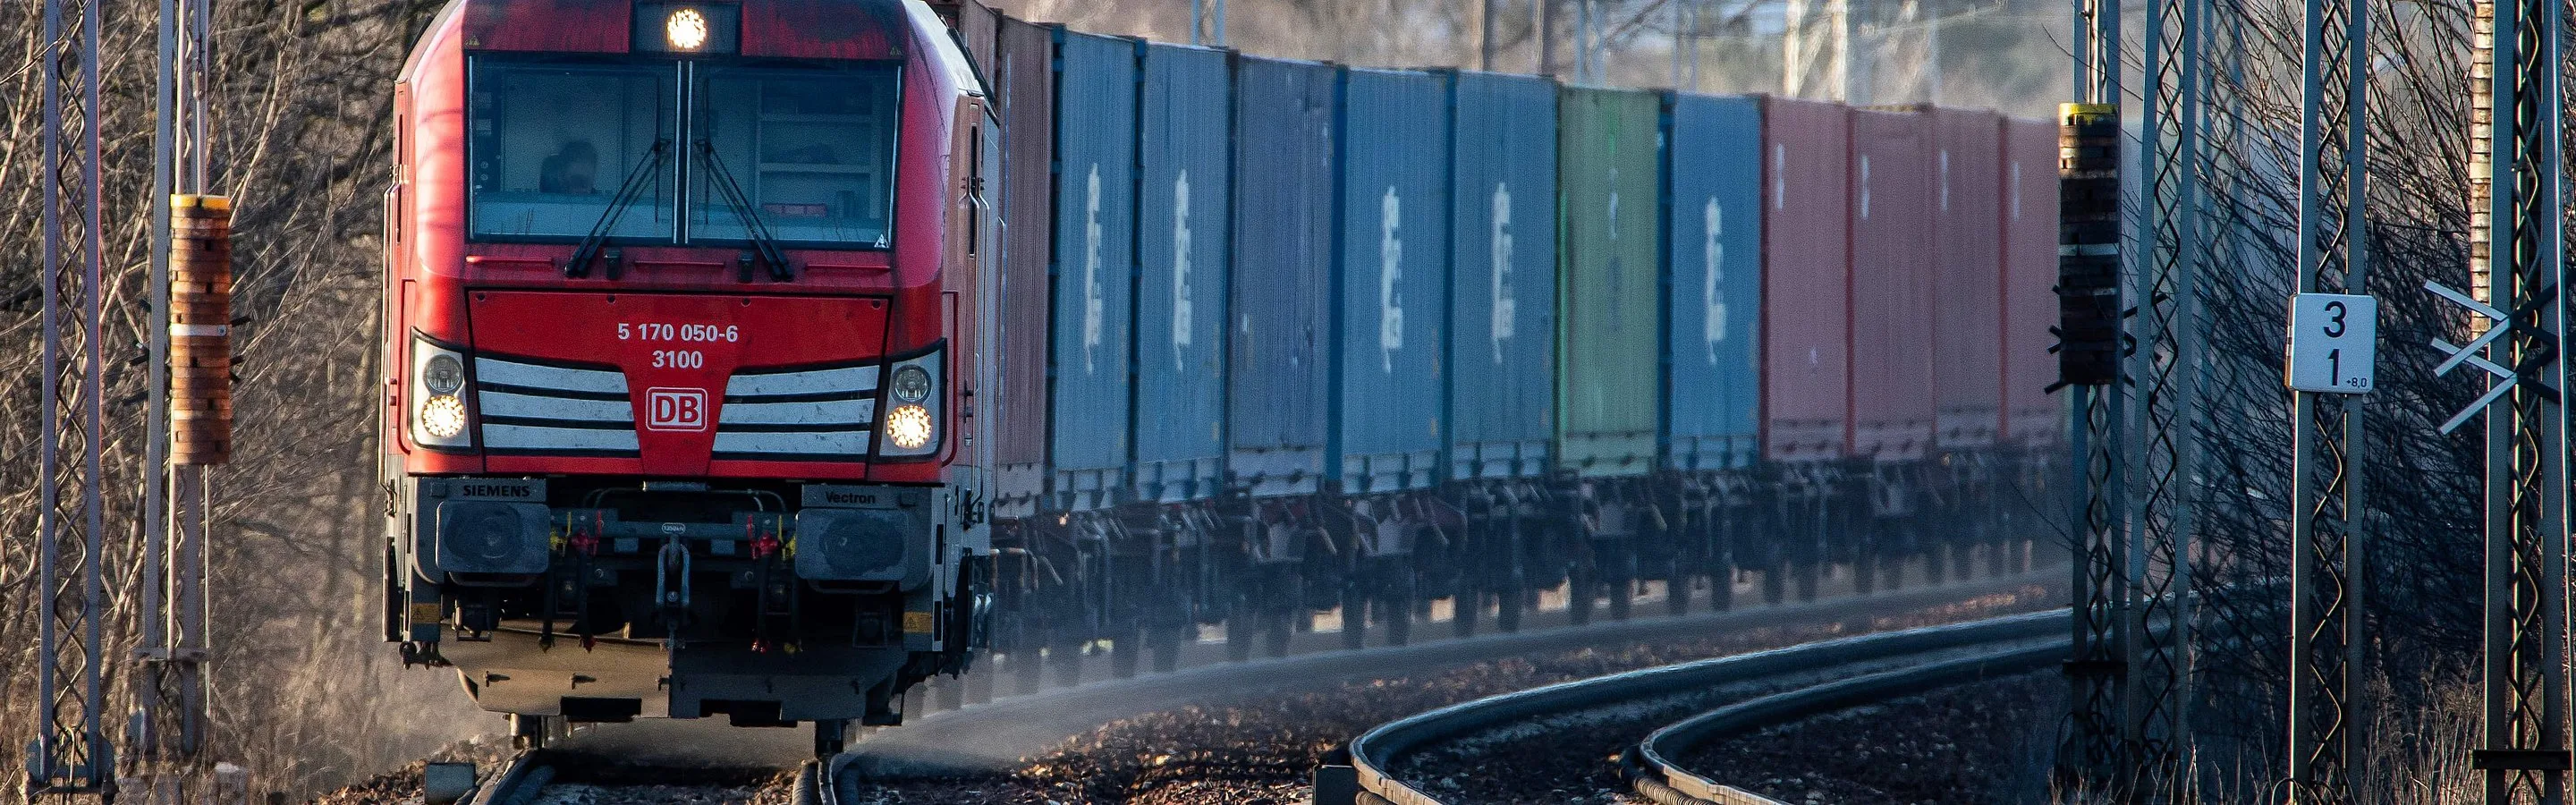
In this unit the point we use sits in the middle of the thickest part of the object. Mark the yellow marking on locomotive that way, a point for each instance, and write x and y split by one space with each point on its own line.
425 612
917 623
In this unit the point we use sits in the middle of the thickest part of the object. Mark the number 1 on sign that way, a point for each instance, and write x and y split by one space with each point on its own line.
2333 343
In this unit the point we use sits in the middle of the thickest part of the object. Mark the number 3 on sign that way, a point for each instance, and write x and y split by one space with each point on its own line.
2333 342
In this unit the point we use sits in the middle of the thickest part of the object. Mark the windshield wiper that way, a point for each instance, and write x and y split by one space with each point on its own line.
627 193
762 243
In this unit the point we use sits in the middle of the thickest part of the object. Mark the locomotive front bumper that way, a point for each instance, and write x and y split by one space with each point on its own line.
505 532
797 602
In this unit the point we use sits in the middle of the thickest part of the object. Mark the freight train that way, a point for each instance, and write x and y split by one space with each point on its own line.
767 358
1288 338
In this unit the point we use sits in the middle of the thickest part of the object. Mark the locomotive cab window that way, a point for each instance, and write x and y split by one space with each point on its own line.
554 140
809 150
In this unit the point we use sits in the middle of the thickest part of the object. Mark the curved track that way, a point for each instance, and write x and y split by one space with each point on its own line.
1758 690
991 735
1653 769
983 747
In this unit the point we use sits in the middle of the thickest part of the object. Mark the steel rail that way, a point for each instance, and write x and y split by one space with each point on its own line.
519 781
1375 752
828 782
526 774
1655 775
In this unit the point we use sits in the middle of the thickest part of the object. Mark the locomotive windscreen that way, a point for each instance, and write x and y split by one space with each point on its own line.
554 138
807 150
812 148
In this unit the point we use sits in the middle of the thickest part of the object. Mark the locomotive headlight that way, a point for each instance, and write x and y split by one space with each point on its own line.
443 416
435 402
912 425
911 383
444 375
686 29
909 427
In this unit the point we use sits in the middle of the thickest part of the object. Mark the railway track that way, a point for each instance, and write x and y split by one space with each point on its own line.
559 777
1520 746
1014 750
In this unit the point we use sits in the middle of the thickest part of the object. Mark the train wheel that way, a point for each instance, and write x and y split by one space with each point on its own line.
1125 653
1578 599
1775 579
1810 572
1507 610
1623 599
1167 651
1275 639
1068 665
831 736
1868 554
1030 670
1399 622
1464 611
949 693
1677 593
1721 584
979 685
1240 628
1354 619
533 731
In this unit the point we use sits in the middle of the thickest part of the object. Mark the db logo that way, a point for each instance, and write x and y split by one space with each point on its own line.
676 409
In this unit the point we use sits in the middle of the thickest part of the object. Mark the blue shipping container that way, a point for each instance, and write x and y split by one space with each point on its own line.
1393 280
1095 191
1713 251
1281 278
1183 196
1502 291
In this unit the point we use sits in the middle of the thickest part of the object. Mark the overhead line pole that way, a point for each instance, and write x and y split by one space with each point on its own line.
2329 507
2159 660
2092 348
2517 248
72 758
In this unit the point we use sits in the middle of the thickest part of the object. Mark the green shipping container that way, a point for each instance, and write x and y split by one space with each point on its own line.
1609 230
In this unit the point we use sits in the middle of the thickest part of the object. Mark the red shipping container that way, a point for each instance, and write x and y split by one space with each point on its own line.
1805 277
1967 269
1026 102
1891 285
2032 417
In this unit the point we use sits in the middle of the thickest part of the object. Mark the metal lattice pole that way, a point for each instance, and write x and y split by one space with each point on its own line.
2089 356
2326 482
2159 660
70 753
151 702
2517 248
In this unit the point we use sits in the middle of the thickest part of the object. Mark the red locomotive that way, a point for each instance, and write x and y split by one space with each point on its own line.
681 312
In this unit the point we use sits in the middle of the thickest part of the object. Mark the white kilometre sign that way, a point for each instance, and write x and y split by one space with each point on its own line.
2333 342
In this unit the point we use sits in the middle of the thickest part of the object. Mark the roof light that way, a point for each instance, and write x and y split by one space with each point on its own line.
686 29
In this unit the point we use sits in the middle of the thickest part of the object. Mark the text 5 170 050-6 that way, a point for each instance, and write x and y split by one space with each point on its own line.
692 333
